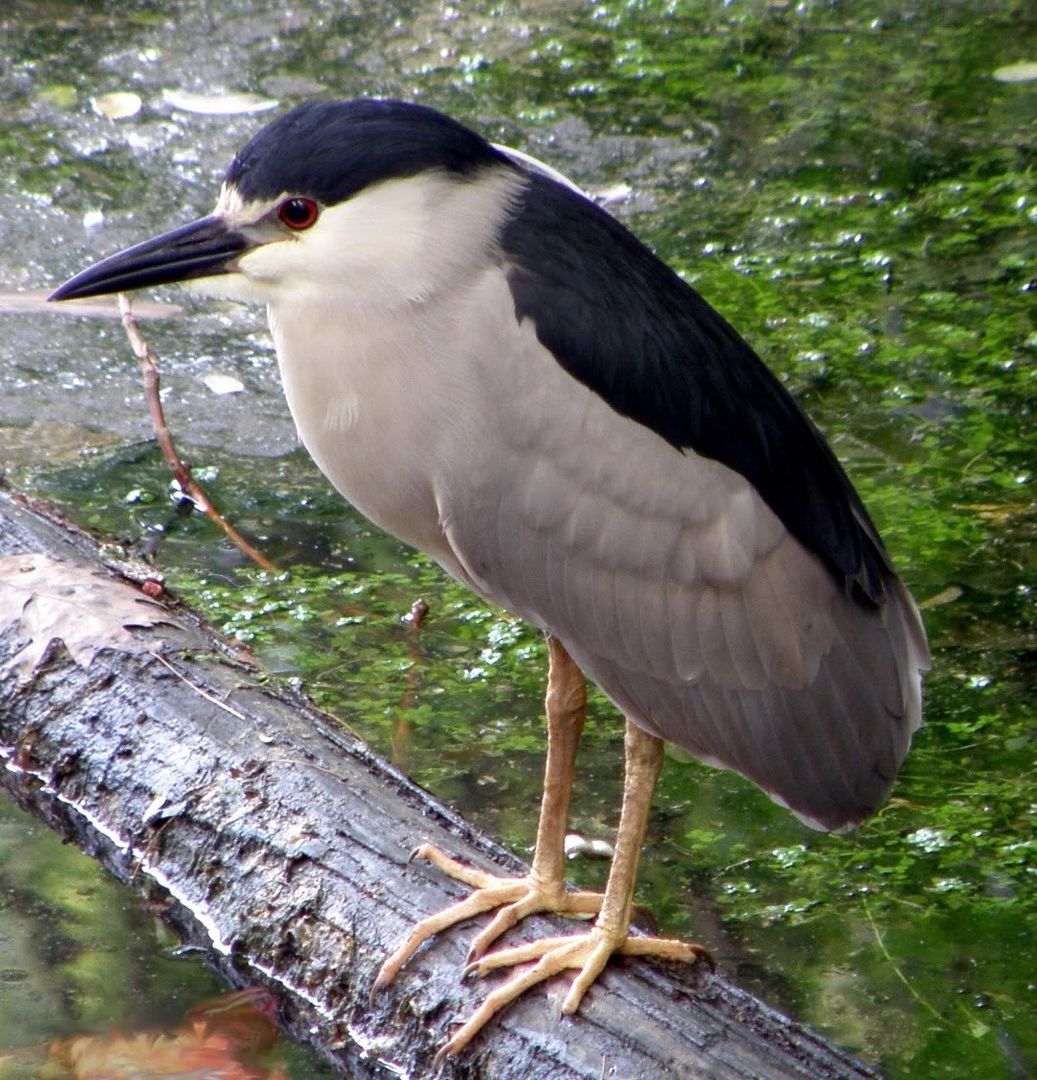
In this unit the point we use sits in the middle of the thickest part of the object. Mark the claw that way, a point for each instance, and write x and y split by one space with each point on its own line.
588 953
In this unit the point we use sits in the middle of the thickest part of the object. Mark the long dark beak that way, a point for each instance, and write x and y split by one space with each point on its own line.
202 249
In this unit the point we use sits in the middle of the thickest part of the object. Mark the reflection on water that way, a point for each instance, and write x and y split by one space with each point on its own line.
226 1038
91 983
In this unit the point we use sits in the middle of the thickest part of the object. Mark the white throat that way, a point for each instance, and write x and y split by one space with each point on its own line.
365 311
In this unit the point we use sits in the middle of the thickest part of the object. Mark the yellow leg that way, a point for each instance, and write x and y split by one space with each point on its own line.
589 952
544 888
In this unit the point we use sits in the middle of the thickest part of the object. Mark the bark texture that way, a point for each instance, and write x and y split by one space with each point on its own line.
279 843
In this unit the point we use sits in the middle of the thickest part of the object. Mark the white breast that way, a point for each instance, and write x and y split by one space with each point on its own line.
366 313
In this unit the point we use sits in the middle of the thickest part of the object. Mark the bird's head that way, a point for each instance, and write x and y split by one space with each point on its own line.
342 202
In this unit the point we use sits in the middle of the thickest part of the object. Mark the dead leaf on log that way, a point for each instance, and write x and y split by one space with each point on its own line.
47 599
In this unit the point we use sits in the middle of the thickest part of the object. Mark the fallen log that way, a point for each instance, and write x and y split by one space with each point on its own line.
279 843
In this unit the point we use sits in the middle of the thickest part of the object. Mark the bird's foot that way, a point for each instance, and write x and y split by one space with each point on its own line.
587 952
516 898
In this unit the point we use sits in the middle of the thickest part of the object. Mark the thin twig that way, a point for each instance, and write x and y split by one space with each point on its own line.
896 968
182 474
198 690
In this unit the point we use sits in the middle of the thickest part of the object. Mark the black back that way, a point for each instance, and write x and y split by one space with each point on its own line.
330 150
625 325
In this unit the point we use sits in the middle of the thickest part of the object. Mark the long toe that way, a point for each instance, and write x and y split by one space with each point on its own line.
561 955
478 902
586 953
516 898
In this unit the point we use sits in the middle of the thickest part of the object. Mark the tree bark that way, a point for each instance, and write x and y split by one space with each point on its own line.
279 843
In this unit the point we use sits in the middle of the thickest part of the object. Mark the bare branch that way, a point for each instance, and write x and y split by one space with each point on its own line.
181 472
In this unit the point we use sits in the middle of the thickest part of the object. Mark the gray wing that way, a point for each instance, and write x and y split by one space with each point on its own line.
674 586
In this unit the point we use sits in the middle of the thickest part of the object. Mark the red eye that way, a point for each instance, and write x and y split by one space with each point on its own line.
298 214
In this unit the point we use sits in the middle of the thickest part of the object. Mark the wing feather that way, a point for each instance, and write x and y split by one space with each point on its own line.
678 590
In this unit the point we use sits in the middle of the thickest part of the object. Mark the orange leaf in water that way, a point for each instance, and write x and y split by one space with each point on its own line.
219 1041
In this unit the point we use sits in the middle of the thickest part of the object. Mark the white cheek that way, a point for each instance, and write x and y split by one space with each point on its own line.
386 247
372 248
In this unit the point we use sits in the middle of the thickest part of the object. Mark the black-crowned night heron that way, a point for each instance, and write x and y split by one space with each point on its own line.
492 368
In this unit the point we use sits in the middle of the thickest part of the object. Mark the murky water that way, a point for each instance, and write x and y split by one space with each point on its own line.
81 958
852 187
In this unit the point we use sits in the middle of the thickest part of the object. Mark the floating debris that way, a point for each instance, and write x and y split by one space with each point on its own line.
945 596
223 384
1024 71
614 193
576 846
218 104
117 106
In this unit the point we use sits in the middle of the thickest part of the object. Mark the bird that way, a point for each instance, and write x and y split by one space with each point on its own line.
494 369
